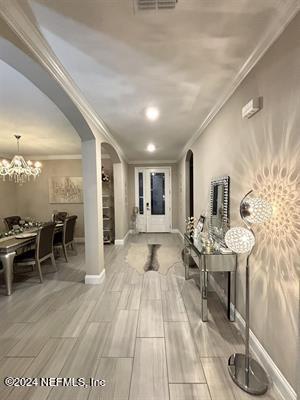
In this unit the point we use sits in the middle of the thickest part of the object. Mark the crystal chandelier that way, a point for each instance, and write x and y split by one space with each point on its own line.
18 169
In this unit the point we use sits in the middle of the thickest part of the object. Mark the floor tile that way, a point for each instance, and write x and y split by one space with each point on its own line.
117 374
150 319
149 377
189 391
121 338
105 309
184 364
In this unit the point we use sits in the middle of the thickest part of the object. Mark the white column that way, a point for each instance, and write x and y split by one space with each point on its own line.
93 221
119 201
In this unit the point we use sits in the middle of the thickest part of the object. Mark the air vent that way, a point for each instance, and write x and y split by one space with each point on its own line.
147 4
155 4
166 3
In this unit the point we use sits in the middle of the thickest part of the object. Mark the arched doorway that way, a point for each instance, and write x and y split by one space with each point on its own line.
189 183
15 54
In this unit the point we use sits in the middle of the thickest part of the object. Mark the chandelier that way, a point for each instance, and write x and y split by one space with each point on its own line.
18 169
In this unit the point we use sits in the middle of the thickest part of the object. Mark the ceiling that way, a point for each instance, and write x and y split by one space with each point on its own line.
124 60
25 110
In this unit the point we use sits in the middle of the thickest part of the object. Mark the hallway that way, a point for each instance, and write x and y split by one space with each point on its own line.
141 333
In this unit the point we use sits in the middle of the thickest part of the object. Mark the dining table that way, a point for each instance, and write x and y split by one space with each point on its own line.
10 246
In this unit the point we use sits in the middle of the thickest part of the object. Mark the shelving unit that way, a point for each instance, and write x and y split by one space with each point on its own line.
108 213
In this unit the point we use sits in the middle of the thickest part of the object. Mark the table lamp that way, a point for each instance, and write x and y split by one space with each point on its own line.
246 372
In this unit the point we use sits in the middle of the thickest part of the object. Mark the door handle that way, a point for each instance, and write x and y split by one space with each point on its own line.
148 206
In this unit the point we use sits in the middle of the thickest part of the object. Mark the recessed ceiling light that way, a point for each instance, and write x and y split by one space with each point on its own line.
152 113
151 147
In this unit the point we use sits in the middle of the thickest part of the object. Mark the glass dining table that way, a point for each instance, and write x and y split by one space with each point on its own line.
10 246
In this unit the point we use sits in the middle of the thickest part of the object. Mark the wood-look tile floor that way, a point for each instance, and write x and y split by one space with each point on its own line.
141 333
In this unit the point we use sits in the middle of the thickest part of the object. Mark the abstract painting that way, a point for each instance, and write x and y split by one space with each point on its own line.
65 190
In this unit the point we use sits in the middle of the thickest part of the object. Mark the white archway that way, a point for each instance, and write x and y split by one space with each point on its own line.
14 53
189 184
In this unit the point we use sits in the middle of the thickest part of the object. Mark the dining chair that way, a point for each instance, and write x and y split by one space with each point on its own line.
60 216
43 250
11 221
66 237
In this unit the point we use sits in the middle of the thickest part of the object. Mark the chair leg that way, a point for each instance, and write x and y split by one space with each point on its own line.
73 246
56 252
38 264
53 262
65 252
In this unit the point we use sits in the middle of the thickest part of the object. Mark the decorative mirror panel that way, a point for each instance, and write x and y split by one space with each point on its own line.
219 207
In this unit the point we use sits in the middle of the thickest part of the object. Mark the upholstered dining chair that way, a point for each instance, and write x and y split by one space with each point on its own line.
60 216
11 221
43 250
66 238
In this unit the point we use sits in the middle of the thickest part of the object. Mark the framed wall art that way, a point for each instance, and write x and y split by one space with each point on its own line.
66 190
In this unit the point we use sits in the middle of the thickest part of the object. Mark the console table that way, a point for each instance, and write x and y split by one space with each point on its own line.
209 262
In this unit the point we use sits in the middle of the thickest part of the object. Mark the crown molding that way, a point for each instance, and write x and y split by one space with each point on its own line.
3 155
60 157
289 10
39 47
53 157
46 157
21 25
154 162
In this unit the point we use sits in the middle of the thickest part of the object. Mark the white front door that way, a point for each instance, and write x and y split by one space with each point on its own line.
153 199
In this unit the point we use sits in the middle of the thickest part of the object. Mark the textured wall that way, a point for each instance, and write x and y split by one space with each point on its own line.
8 200
262 153
33 197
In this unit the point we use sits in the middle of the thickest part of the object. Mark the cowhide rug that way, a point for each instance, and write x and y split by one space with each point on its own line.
153 257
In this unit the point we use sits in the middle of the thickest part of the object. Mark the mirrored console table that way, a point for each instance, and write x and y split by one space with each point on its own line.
210 262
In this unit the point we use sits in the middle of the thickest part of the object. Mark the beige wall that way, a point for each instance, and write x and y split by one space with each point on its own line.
262 153
32 198
174 179
8 200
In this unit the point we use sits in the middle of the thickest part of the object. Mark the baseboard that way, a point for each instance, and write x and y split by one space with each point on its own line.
281 385
121 242
79 240
177 231
94 279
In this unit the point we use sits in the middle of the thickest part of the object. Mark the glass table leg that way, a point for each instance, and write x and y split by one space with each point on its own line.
186 262
231 295
204 289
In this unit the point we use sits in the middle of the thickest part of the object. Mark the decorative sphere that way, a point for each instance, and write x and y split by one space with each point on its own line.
256 210
239 240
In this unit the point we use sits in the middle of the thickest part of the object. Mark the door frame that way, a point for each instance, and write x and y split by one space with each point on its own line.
136 189
189 184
